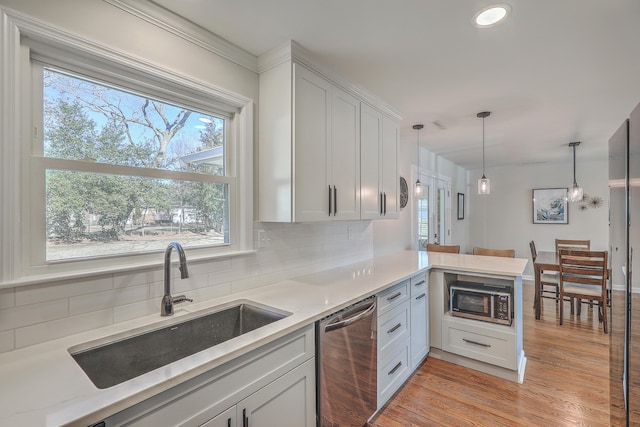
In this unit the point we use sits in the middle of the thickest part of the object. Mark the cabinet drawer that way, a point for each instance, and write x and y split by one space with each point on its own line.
393 296
393 373
497 350
418 284
393 327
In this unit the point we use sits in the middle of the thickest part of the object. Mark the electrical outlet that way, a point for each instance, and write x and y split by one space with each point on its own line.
264 241
349 233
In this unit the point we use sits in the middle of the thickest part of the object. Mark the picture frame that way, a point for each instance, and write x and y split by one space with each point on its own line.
460 206
550 206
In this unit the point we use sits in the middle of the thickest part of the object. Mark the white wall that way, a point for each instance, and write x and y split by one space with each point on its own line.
504 218
391 236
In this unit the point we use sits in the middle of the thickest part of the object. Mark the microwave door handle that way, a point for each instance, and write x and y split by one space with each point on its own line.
363 312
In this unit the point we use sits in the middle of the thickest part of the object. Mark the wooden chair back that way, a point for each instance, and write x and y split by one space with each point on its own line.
452 249
507 253
578 245
583 275
534 253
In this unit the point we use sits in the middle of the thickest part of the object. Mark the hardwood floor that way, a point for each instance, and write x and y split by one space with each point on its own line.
566 381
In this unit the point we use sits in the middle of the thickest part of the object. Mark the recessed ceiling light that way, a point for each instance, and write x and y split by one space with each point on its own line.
492 15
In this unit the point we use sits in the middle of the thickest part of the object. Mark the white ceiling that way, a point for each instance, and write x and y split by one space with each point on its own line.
554 72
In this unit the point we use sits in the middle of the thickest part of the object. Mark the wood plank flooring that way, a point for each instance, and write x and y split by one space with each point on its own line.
566 381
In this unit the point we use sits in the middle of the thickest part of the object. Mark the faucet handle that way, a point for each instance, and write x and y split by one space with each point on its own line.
181 298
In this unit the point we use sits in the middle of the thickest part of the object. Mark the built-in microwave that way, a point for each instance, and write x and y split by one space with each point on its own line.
481 302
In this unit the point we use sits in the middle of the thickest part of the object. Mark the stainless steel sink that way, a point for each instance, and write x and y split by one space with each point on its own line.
116 359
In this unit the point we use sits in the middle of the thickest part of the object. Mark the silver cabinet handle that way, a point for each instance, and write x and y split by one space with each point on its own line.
385 203
394 296
395 368
329 200
476 343
421 296
419 283
395 328
335 200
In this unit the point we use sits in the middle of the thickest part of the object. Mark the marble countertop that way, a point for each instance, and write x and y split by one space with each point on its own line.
43 386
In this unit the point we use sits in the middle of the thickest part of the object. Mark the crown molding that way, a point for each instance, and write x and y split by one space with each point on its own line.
187 30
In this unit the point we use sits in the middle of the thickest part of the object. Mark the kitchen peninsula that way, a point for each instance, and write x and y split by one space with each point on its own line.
46 387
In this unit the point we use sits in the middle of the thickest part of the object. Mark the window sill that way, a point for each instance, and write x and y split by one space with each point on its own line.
81 274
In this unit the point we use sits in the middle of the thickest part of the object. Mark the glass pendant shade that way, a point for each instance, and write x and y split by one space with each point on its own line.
576 193
484 186
418 188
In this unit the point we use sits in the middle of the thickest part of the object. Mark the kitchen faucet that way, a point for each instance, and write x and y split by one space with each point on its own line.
166 308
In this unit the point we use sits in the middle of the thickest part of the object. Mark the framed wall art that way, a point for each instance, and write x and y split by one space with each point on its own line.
460 205
550 206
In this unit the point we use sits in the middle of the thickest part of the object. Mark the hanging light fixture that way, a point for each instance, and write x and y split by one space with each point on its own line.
575 193
484 185
418 183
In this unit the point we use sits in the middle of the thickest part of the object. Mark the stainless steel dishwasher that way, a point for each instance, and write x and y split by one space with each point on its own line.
347 365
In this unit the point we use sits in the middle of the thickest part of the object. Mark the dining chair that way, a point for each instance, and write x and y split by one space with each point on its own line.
578 245
583 275
507 253
573 244
547 280
452 249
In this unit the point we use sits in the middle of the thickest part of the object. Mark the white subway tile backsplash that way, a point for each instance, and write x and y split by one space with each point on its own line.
60 328
7 298
7 342
37 313
24 315
125 312
134 278
108 299
39 293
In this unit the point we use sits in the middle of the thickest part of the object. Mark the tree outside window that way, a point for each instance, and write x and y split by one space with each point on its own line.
126 173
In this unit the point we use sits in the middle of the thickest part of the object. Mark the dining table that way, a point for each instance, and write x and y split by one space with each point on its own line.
545 261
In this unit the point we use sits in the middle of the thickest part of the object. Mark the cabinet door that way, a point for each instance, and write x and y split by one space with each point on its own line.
288 401
389 171
419 329
225 419
312 104
345 155
370 140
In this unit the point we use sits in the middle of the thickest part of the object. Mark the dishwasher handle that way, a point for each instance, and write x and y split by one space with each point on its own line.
350 316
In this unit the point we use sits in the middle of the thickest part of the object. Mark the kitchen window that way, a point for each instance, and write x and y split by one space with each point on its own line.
122 160
125 173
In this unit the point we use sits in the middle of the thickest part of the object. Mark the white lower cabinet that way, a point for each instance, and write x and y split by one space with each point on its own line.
419 319
393 340
403 333
272 385
226 419
289 401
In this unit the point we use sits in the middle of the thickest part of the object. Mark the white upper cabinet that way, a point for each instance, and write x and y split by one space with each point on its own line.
370 143
311 164
389 167
379 164
327 150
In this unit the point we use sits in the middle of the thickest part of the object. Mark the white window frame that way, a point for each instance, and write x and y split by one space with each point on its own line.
22 241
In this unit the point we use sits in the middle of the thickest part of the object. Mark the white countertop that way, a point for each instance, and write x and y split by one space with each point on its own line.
43 386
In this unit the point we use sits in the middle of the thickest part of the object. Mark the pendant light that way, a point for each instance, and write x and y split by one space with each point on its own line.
418 183
484 185
575 193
